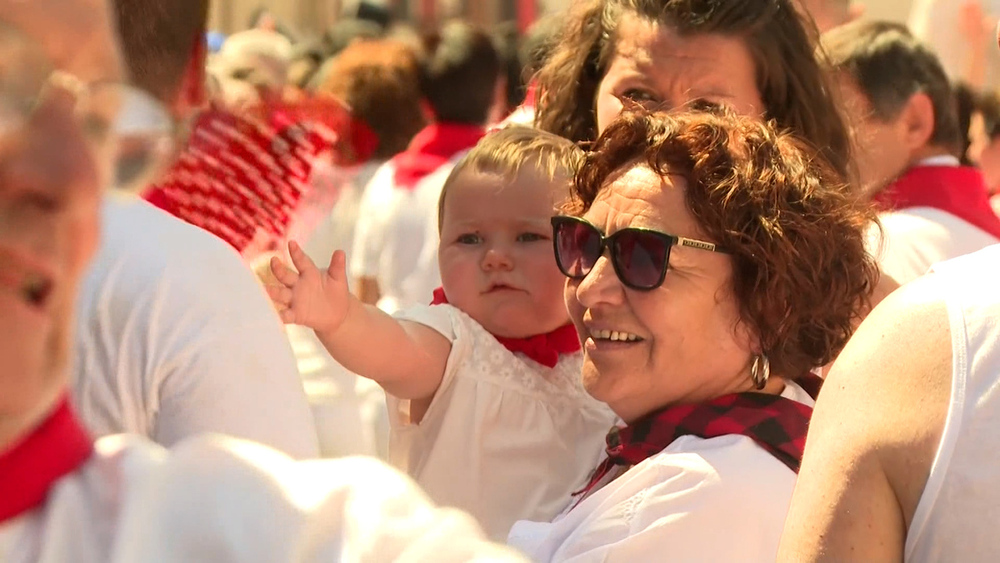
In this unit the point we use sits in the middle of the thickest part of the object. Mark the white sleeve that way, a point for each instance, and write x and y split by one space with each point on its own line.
225 364
242 502
369 233
723 499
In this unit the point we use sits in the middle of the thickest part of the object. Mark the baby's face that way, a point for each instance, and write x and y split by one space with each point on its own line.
496 257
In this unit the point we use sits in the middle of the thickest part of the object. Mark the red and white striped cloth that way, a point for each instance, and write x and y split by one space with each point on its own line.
244 176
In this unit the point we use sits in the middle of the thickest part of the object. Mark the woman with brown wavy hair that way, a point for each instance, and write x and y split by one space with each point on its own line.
755 55
712 264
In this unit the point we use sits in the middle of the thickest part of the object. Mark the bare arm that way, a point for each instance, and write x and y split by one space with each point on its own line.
407 359
874 434
367 290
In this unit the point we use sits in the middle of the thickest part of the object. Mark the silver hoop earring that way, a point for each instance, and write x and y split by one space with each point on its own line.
760 372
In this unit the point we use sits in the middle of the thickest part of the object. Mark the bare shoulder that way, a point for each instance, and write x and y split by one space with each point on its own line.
875 432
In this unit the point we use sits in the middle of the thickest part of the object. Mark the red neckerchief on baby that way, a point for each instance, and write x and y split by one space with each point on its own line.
959 190
430 149
30 468
776 423
542 348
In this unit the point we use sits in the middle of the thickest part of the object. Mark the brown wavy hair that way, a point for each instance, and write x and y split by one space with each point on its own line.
380 81
794 88
796 236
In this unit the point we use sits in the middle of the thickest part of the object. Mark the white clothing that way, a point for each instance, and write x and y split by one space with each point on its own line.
956 518
349 410
225 500
916 238
720 499
504 438
426 275
175 337
391 229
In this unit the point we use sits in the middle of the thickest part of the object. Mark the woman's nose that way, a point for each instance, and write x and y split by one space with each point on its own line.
601 286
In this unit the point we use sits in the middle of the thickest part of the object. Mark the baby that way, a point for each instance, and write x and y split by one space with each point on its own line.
487 410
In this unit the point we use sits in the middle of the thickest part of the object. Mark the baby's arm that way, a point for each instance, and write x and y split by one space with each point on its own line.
407 359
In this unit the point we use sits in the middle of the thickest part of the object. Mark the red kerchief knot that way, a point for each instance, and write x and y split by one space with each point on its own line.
244 174
775 423
545 349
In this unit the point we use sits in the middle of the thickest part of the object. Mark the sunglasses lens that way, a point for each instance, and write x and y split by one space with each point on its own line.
641 258
578 246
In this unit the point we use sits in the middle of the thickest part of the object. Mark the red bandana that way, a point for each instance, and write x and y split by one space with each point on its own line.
32 466
431 148
542 348
959 190
777 424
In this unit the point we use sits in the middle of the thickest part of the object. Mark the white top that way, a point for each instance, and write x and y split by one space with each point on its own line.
956 518
721 499
391 230
915 239
225 500
505 438
175 337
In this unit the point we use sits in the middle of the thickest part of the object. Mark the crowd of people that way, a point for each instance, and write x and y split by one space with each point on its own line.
654 280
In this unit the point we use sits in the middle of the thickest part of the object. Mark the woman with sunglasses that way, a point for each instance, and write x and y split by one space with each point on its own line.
712 265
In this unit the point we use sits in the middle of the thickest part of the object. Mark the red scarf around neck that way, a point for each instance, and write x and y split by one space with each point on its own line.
431 148
542 348
775 423
30 468
959 190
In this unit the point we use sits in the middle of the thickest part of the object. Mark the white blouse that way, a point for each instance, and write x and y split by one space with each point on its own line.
504 438
224 500
720 499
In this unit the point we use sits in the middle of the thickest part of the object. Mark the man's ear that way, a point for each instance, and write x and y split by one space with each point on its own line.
918 121
193 93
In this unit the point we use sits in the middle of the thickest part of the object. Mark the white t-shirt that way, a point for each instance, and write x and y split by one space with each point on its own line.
720 499
224 500
956 518
504 438
391 230
176 337
915 239
349 410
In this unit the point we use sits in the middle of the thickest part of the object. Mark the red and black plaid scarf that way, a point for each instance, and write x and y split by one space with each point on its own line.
777 424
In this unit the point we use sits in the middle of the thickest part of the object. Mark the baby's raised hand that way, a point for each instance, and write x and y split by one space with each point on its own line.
311 297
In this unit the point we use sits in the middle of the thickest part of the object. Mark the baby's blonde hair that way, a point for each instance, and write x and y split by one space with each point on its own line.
504 152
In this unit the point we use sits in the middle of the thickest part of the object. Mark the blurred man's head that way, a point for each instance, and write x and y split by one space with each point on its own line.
54 160
164 46
898 97
460 73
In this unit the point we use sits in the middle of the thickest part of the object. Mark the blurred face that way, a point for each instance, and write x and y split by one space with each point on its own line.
52 167
881 150
685 342
654 66
496 254
984 151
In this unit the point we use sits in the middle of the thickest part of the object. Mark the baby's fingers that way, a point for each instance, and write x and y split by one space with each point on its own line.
287 276
280 295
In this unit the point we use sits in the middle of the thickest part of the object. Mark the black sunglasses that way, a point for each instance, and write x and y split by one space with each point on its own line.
639 256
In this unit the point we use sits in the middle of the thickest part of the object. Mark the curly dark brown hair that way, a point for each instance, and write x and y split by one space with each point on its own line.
794 88
801 273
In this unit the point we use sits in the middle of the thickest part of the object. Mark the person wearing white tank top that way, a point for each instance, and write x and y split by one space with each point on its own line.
900 463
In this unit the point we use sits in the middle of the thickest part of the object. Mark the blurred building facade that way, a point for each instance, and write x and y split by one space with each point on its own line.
313 16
